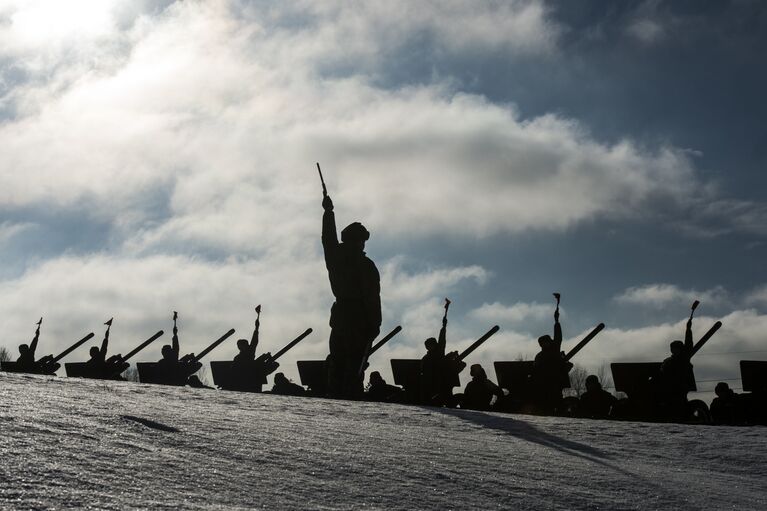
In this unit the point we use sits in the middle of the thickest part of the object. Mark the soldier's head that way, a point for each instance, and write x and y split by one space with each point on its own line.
279 379
376 379
23 349
545 341
168 353
355 235
94 351
242 344
722 389
431 344
478 372
592 383
676 347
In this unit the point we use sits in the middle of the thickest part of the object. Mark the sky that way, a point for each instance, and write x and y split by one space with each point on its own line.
160 156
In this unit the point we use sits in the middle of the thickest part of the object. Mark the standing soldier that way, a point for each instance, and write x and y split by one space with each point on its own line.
676 375
355 318
550 368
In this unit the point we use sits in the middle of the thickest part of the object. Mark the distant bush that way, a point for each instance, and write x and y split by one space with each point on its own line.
5 355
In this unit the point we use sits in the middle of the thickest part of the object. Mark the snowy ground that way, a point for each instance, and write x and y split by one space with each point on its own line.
74 443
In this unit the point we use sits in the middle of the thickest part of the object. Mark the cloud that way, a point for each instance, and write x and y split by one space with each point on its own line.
646 31
10 229
224 111
757 297
516 313
661 295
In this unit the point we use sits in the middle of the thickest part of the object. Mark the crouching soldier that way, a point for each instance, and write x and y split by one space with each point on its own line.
595 403
480 393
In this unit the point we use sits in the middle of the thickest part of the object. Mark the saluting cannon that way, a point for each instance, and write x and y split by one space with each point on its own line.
46 365
314 373
250 375
108 369
517 376
172 370
407 372
657 394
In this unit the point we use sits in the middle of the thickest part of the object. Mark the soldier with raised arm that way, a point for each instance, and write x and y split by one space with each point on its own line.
170 364
247 350
97 363
439 370
355 318
26 361
676 374
550 368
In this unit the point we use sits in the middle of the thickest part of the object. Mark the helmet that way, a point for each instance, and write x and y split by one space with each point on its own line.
355 232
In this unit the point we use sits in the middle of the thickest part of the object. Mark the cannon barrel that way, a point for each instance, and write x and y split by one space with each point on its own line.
385 339
708 335
291 344
578 347
73 347
143 345
476 344
214 344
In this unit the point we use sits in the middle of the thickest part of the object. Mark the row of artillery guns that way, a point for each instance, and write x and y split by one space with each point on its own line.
244 376
637 380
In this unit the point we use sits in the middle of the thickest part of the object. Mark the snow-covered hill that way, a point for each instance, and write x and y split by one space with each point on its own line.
68 443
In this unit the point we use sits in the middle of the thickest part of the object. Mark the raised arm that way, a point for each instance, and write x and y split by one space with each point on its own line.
557 332
254 338
104 344
175 345
688 344
442 341
33 344
329 234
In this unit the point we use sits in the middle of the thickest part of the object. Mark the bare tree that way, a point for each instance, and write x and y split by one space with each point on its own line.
5 355
605 376
578 376
131 374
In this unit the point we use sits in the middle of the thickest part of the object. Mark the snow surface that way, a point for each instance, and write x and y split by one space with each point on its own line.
70 443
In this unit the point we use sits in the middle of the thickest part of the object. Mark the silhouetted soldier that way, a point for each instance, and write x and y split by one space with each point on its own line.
282 385
170 364
379 390
247 351
438 369
479 392
726 408
96 365
595 403
550 369
355 318
676 374
26 362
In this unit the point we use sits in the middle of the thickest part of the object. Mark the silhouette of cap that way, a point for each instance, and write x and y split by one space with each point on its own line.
355 232
477 371
721 388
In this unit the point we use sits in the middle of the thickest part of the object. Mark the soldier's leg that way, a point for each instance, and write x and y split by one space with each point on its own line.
354 355
335 363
